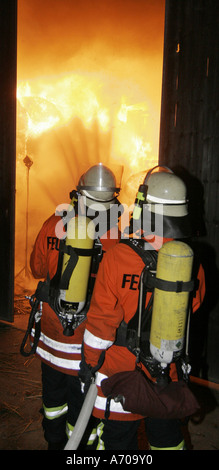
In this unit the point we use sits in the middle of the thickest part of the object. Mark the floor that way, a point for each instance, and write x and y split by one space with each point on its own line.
20 399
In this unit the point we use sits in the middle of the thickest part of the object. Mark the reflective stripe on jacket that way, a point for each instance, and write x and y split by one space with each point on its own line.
115 298
60 352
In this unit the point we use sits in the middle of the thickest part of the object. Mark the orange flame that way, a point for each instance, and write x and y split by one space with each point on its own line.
97 98
51 105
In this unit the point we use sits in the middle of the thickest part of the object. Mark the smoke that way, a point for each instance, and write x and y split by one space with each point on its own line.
71 53
53 32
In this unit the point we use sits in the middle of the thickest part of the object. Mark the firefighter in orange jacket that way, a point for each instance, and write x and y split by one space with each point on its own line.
114 303
61 354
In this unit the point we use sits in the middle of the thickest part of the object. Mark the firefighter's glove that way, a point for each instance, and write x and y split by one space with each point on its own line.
86 375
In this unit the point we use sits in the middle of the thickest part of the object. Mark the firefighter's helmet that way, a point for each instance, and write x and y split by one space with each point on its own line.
164 187
98 185
166 195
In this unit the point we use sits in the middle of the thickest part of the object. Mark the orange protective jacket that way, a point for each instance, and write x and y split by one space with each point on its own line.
60 352
115 298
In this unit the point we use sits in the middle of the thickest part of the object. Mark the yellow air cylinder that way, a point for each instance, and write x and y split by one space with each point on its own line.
175 260
80 234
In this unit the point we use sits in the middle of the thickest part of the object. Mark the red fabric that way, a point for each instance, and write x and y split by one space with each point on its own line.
171 401
115 298
43 260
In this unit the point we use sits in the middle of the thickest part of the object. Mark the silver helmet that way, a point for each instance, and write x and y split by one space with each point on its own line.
98 185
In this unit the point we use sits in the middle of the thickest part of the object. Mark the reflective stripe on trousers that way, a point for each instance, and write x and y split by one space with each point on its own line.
55 412
180 446
91 439
100 444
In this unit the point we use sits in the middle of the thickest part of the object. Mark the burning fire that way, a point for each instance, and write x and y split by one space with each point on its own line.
92 95
115 130
52 105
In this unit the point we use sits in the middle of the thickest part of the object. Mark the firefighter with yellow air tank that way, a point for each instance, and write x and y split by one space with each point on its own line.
66 254
137 319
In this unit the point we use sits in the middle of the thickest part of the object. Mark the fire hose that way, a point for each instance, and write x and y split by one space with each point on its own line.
83 418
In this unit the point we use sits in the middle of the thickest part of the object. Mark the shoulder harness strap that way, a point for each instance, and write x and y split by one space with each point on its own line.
126 333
